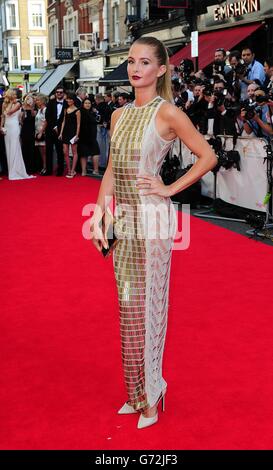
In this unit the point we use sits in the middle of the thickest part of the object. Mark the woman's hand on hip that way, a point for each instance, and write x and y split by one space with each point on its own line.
152 185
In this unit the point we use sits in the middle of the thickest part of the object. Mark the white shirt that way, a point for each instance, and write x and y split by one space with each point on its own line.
59 108
190 95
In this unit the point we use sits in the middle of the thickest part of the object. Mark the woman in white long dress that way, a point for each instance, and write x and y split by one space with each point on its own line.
11 128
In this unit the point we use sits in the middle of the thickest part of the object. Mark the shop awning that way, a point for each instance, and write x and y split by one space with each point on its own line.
208 42
88 79
42 80
119 76
58 74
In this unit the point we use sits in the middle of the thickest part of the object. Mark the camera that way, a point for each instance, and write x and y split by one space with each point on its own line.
264 98
256 221
220 96
219 67
233 108
186 67
208 87
226 159
241 69
251 109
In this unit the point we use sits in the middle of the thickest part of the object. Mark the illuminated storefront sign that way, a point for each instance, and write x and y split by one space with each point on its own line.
236 9
230 13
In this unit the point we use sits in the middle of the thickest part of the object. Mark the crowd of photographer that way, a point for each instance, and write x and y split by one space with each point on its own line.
233 96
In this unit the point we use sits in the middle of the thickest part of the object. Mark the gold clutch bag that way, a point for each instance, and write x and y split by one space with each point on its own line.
108 226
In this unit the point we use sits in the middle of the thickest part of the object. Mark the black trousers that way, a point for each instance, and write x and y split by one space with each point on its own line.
51 141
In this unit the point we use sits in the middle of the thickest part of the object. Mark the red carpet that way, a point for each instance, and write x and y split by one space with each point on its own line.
61 376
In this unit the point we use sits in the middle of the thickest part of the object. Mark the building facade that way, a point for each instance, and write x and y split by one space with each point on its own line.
131 19
100 33
68 19
234 14
77 26
24 40
231 25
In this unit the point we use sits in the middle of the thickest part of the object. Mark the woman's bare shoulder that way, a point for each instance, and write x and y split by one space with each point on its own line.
168 114
171 115
168 110
116 114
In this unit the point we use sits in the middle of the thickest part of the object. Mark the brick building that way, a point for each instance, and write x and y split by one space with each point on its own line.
76 27
67 19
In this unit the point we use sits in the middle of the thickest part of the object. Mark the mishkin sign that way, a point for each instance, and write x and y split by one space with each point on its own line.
236 9
228 13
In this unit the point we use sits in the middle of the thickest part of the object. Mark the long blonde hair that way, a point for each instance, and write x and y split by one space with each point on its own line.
164 84
8 99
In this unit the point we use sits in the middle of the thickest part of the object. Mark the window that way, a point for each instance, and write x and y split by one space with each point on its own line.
88 42
70 29
69 32
130 8
37 15
13 56
53 37
38 54
116 23
12 16
38 51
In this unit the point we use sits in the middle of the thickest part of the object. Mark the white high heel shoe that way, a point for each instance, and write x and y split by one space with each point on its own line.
144 422
126 409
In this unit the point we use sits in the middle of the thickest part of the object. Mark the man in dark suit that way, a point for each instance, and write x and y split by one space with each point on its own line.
110 107
81 93
54 117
